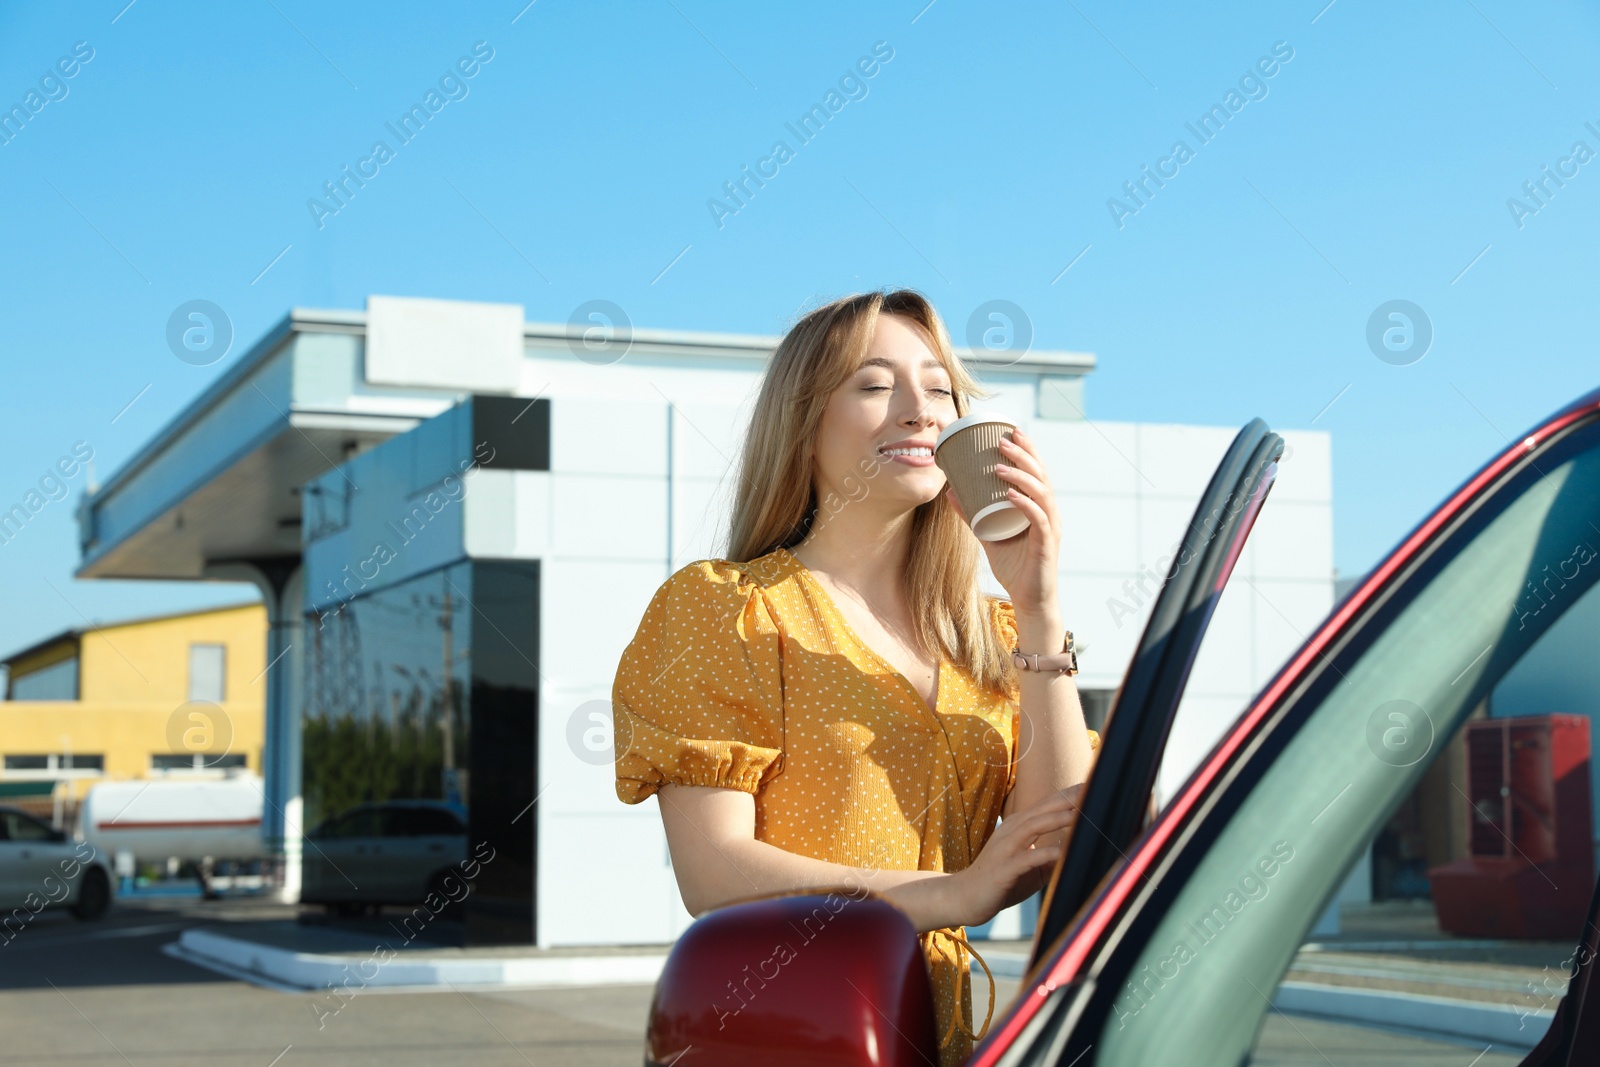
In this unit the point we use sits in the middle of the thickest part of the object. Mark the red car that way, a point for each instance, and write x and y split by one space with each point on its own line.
1163 943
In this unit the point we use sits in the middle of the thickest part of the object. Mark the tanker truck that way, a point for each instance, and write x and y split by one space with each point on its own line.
201 821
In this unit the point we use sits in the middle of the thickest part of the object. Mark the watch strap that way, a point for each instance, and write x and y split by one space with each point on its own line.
1063 662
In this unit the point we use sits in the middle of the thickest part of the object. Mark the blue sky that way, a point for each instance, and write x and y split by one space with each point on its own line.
976 164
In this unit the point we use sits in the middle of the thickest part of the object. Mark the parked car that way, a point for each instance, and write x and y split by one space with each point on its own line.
41 867
1163 943
394 852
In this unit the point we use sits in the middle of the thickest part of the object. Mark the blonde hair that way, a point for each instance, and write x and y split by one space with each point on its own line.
775 504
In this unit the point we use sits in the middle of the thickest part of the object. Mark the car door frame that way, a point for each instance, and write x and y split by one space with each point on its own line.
1114 803
1074 984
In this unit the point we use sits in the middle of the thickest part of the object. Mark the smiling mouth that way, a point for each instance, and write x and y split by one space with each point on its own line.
928 452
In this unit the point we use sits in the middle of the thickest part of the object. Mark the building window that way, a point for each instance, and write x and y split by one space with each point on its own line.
55 765
197 763
59 681
18 826
205 672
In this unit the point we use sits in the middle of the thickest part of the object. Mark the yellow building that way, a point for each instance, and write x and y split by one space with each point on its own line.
180 694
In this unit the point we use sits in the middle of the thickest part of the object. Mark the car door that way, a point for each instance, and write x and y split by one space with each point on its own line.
419 840
338 858
317 867
1115 800
400 860
440 844
29 851
1176 954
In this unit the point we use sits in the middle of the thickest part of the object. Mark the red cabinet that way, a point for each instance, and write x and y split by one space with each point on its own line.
1530 866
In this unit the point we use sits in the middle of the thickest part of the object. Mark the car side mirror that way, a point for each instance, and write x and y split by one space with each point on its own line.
816 978
58 836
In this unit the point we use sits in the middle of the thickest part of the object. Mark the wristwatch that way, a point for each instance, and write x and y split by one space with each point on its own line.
1063 662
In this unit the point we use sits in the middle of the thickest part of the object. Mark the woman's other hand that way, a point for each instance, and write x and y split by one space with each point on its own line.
1025 564
1014 863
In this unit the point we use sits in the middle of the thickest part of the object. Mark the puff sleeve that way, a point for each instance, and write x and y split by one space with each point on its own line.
1003 615
698 695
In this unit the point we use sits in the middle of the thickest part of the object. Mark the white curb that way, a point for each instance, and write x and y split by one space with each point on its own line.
1001 964
1504 1024
307 970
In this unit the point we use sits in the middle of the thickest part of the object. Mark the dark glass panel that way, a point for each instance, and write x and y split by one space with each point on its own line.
505 696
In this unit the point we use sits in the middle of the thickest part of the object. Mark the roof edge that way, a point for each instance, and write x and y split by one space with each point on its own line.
346 320
77 632
241 369
60 637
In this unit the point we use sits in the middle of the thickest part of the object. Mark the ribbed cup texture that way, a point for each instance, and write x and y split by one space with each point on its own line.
968 458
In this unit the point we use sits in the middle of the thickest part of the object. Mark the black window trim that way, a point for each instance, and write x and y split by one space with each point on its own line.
1147 700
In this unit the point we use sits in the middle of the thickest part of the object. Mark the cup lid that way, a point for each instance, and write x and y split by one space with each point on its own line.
968 420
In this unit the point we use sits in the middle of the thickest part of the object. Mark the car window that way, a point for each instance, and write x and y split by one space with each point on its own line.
436 822
20 827
1203 979
355 824
399 821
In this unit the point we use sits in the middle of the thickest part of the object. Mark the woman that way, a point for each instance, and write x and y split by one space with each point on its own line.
843 708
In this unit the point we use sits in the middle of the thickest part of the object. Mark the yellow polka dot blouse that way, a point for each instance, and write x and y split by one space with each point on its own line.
746 676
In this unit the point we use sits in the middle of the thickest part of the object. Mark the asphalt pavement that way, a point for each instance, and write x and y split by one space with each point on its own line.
106 993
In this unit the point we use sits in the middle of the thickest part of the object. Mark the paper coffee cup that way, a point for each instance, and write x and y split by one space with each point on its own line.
967 451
